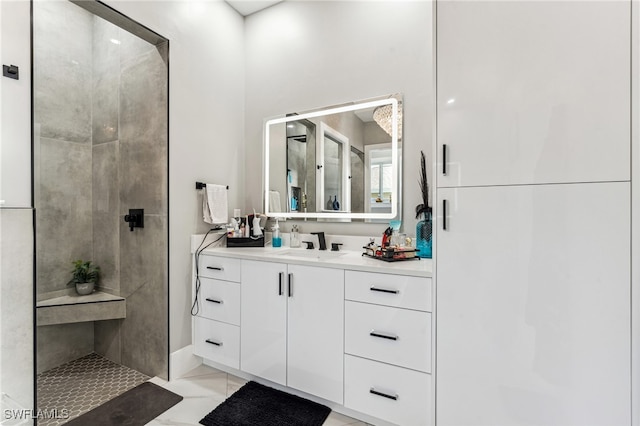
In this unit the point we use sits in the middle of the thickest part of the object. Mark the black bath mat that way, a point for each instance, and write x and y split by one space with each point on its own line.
255 404
135 407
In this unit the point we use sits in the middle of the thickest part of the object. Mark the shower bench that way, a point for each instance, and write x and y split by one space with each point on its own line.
67 309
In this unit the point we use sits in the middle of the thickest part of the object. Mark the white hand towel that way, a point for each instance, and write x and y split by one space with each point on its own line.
214 204
274 202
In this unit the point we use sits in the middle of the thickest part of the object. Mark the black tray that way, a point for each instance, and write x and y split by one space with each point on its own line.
246 242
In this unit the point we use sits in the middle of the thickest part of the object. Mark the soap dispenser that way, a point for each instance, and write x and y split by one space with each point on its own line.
295 237
276 240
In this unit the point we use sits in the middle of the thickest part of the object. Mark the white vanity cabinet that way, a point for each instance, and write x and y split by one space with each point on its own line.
216 327
533 213
349 330
388 337
534 329
292 320
529 93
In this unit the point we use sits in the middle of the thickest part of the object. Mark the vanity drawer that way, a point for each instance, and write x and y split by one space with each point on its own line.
217 341
388 392
401 291
220 300
221 268
396 336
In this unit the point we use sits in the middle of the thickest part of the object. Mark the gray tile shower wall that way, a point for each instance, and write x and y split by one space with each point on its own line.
106 80
106 219
62 107
143 133
106 153
144 284
63 211
143 184
62 71
58 344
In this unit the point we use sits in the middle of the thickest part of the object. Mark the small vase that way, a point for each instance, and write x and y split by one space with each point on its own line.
85 288
424 229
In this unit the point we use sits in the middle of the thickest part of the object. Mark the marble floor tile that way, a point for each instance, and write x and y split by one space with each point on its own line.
189 411
233 384
201 370
208 386
337 419
203 388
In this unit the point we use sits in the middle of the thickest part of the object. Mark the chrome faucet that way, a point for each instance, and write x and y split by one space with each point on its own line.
321 241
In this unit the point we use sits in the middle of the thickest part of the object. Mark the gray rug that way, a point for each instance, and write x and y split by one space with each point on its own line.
135 407
255 404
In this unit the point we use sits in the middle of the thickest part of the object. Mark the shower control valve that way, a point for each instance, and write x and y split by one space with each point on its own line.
135 218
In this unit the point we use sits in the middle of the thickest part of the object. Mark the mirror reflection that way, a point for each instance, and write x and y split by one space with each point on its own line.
339 163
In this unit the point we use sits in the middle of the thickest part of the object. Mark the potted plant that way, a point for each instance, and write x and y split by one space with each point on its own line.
85 276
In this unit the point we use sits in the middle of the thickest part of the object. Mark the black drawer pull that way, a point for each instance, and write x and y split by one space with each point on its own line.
385 395
214 301
384 290
280 279
215 268
213 342
383 335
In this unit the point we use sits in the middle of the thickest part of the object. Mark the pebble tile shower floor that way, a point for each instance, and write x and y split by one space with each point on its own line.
81 385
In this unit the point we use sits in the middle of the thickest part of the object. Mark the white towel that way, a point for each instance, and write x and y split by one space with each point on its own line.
274 202
214 204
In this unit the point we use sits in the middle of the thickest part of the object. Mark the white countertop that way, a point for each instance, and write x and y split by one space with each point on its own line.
348 259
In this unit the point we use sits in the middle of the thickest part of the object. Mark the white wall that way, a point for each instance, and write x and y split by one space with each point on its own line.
206 100
310 54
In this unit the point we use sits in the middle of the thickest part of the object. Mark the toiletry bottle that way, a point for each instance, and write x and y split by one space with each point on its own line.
276 241
257 231
295 237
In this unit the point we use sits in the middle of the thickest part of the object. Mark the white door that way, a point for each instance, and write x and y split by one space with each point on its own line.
533 92
533 309
316 331
263 320
15 111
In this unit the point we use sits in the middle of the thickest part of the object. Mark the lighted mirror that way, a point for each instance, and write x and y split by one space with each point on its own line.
339 163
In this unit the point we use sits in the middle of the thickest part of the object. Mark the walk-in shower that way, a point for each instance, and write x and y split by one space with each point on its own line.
100 99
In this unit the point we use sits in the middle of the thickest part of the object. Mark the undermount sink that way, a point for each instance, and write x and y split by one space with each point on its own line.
313 254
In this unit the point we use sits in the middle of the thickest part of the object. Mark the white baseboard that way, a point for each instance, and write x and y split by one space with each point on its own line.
182 361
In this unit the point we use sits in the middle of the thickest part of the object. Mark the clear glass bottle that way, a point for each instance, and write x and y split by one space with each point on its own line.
295 237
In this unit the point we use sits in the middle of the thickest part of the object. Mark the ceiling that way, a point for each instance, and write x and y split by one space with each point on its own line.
247 7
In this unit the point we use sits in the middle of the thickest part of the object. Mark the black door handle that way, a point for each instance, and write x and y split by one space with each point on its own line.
290 285
280 278
444 158
444 215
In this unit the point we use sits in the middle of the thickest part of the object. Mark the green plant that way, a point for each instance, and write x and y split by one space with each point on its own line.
84 272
